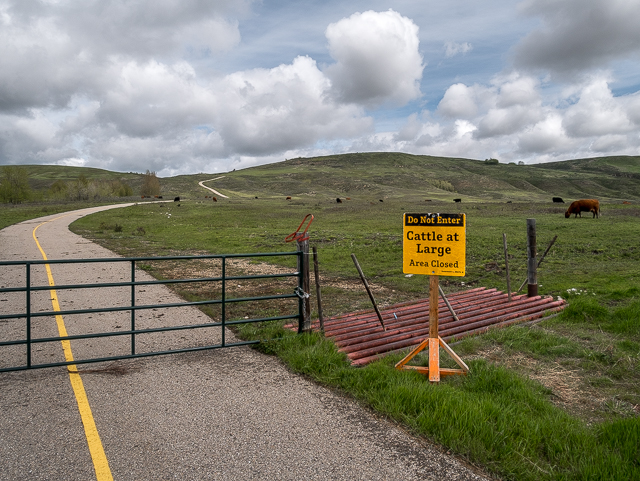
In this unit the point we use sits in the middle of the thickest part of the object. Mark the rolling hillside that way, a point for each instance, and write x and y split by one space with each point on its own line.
379 176
391 175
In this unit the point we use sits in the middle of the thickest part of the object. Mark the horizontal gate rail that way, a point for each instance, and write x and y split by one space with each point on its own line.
28 315
136 283
141 308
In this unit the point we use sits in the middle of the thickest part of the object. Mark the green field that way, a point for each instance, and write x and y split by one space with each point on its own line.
556 400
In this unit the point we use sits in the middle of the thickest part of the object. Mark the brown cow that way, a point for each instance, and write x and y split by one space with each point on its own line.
584 205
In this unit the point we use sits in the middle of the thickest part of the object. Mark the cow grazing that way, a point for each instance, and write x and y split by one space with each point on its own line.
583 205
177 199
338 200
288 198
214 198
457 200
558 200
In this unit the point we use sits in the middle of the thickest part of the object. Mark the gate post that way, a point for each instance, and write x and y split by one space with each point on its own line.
302 239
303 268
532 265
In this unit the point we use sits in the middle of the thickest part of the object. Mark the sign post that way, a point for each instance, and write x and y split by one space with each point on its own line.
434 245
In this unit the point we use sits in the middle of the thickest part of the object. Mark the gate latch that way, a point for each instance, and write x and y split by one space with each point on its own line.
300 293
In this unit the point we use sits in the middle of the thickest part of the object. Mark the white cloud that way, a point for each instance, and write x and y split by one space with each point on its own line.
150 28
263 111
546 136
577 35
153 98
515 104
597 112
459 101
512 120
377 58
451 49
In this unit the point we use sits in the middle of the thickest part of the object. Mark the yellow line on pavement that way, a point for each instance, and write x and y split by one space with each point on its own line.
100 462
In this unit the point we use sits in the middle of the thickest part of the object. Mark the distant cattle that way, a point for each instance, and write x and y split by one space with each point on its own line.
338 200
626 202
583 205
288 198
177 199
558 200
457 200
214 199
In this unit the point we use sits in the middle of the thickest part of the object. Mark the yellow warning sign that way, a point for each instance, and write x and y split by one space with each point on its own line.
434 244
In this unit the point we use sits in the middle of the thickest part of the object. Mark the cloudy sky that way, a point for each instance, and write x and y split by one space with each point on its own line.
187 86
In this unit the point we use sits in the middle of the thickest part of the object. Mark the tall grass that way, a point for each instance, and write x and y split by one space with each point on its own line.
493 417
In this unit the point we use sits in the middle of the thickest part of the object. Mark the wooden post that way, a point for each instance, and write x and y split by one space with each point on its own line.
532 265
303 267
318 296
506 264
541 259
434 340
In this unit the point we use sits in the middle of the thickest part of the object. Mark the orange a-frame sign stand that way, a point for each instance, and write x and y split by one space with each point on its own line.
434 244
434 342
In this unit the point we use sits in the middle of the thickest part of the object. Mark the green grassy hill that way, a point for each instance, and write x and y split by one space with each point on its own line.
383 175
378 176
43 176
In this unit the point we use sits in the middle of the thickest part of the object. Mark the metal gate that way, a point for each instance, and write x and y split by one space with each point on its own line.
20 331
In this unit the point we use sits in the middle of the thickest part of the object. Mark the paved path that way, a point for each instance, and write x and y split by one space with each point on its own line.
222 414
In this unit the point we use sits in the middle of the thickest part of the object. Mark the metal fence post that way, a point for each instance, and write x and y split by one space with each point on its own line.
506 265
532 265
318 295
303 268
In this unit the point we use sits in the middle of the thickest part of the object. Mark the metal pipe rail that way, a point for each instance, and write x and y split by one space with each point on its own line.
28 315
